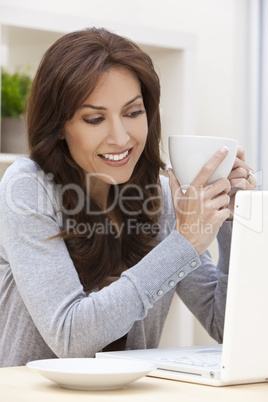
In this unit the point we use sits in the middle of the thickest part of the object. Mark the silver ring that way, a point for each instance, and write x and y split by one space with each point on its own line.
250 173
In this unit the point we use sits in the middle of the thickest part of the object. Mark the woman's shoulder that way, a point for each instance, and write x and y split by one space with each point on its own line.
26 188
22 165
23 168
24 179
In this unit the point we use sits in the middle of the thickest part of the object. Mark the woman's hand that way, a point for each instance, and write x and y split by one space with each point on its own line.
240 178
202 209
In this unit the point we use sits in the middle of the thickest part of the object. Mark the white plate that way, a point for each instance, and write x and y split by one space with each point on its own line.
90 373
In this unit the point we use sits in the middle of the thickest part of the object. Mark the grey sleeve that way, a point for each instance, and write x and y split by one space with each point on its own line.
71 322
204 290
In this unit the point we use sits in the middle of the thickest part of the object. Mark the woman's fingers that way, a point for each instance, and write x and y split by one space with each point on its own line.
201 210
209 168
244 184
240 160
223 215
241 153
208 206
242 178
218 187
239 172
220 202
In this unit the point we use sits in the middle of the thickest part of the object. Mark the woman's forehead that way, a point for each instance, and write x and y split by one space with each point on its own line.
115 82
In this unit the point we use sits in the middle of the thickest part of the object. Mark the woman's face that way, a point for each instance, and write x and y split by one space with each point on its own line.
107 134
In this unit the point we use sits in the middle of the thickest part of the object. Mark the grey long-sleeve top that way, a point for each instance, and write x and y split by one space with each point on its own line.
44 311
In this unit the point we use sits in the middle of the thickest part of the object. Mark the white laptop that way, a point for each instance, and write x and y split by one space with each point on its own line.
243 356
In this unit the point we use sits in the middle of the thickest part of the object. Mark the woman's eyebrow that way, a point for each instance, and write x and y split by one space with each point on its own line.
133 100
104 108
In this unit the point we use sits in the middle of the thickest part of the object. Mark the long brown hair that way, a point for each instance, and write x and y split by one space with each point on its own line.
67 75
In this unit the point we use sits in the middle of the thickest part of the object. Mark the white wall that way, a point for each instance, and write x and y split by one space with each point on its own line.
215 23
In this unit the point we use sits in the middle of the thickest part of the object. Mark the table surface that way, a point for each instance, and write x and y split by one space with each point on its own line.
20 384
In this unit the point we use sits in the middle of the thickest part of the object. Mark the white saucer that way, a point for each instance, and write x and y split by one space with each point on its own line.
91 374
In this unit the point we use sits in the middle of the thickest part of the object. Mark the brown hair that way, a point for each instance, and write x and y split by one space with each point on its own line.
67 75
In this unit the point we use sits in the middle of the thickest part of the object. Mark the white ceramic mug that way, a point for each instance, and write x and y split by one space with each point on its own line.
189 153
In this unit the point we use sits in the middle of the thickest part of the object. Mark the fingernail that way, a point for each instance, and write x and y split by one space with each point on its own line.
224 149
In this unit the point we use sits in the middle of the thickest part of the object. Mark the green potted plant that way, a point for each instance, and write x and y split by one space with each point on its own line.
15 88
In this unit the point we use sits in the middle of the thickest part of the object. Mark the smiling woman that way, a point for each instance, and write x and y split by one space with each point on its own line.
92 250
103 101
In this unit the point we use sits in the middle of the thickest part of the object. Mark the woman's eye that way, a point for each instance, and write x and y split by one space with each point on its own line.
96 120
135 113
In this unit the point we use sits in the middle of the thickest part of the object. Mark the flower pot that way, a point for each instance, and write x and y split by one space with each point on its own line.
13 136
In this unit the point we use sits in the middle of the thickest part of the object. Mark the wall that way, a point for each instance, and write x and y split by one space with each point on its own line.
215 23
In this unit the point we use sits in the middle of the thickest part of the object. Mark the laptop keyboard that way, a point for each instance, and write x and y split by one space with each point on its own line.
200 360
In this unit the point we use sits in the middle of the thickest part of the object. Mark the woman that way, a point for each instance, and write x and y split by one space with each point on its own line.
91 248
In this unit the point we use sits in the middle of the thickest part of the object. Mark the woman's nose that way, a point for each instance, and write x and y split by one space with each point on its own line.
118 134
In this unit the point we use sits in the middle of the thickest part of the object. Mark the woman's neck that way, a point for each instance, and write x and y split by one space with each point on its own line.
99 190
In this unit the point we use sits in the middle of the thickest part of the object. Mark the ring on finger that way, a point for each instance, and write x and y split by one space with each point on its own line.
249 174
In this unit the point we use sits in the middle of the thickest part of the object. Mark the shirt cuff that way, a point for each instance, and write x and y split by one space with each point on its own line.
166 265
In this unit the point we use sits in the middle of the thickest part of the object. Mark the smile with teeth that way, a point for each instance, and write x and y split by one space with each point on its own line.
115 157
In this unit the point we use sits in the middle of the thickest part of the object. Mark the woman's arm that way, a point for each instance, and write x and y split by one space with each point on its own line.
71 322
204 291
